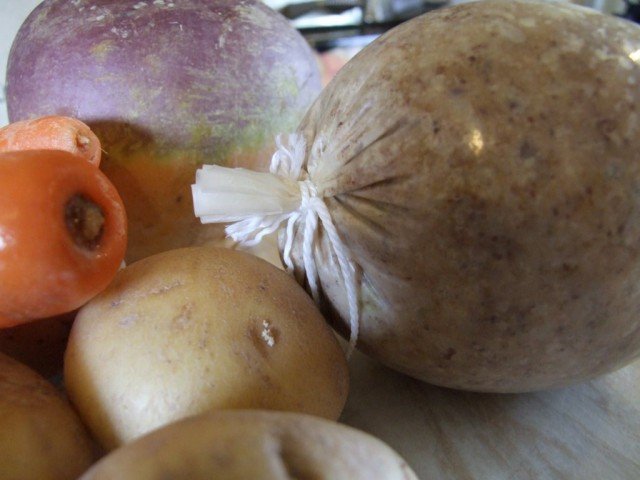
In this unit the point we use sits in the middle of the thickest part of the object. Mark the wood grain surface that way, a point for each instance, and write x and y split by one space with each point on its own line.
589 431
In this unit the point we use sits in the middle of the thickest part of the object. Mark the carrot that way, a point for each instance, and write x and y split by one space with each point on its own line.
52 133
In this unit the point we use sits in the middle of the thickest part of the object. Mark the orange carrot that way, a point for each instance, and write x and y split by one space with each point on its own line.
52 133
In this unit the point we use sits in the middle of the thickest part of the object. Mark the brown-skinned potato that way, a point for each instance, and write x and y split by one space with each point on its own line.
257 445
195 329
41 437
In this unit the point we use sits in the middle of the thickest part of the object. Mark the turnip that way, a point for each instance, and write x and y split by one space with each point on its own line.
165 86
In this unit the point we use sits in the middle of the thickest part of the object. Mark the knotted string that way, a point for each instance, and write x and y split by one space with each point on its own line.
287 162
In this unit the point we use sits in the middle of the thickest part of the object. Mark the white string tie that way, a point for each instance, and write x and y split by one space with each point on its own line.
268 203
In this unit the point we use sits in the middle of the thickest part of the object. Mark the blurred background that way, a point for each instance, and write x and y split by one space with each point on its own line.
337 29
331 23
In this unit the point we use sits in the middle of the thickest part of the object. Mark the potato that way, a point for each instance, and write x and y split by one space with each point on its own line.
195 329
41 437
253 445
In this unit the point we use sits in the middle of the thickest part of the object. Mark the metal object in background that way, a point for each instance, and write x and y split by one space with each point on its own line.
615 7
295 10
328 24
380 11
338 23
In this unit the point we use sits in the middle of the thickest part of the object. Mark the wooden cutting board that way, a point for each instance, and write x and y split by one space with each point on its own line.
589 431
